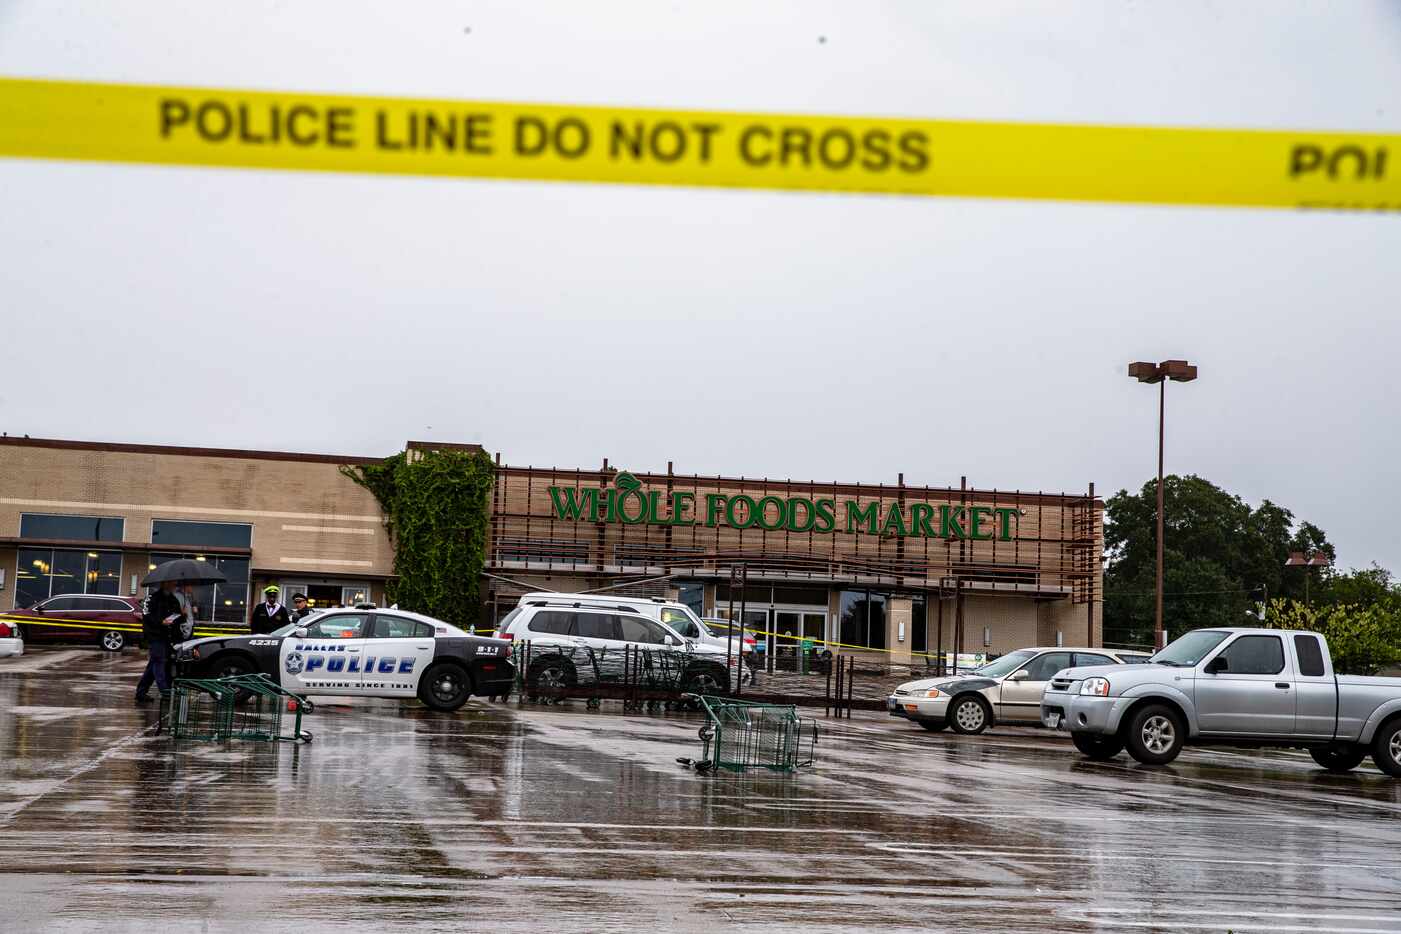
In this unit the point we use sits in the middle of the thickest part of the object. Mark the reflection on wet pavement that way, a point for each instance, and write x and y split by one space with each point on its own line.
557 819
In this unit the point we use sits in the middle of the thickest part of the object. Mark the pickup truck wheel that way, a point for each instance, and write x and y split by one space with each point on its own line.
1386 749
969 715
1339 760
1155 735
1097 746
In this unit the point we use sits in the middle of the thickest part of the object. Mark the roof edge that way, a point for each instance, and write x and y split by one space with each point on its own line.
232 453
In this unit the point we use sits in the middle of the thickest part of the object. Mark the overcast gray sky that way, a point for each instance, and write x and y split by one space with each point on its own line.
791 335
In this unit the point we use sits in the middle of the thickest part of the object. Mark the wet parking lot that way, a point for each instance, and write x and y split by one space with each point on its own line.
506 818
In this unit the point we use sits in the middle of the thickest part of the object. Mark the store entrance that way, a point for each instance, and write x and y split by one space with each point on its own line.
791 628
324 596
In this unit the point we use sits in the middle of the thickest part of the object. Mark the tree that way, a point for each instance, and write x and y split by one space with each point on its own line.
1220 558
1362 639
437 507
1370 587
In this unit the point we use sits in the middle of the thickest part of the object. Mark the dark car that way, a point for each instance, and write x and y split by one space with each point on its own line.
110 622
365 652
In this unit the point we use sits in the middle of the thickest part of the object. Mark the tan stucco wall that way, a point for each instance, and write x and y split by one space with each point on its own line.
307 518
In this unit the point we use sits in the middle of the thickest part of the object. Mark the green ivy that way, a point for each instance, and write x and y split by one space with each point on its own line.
436 509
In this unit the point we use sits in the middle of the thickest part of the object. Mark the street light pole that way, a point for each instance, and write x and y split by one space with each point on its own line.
1315 560
1159 635
1182 372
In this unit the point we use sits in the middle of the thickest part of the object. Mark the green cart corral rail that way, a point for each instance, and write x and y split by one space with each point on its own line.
251 707
741 735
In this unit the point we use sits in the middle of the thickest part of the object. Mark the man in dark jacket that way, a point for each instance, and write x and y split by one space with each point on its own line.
300 610
270 614
160 625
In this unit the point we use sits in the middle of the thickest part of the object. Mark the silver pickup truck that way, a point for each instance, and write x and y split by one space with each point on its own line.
1236 687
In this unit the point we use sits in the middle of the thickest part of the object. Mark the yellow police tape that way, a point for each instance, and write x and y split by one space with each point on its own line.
547 142
841 645
47 621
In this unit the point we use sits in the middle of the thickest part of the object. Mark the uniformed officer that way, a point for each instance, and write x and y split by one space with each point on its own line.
300 610
269 614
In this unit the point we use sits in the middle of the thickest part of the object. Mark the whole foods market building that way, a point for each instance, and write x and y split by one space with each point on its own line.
889 567
907 570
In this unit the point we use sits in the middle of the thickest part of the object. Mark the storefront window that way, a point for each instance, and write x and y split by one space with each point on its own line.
47 572
219 603
919 625
212 534
77 528
754 593
863 619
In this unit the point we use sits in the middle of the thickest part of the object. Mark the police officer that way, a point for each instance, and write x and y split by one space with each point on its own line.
300 610
269 614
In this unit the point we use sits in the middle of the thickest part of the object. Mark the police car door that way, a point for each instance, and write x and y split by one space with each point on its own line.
331 658
396 655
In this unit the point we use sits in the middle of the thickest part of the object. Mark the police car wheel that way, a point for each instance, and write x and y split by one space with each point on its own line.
445 687
232 666
112 641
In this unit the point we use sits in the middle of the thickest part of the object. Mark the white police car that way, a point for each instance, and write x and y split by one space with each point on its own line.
365 652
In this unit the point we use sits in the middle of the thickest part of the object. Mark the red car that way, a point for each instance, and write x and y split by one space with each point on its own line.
111 622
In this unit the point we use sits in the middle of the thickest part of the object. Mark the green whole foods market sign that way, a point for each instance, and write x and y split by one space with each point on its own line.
629 503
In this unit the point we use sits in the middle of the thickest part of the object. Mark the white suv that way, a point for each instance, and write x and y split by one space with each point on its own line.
677 616
569 637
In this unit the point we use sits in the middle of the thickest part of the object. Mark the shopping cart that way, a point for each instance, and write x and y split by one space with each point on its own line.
259 713
739 735
251 707
197 709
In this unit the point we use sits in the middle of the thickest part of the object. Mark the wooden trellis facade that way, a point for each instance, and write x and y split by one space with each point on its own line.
1053 548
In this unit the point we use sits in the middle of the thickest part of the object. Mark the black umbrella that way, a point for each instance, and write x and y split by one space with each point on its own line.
184 570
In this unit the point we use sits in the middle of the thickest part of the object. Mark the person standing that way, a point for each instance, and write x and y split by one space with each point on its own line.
159 626
300 610
269 614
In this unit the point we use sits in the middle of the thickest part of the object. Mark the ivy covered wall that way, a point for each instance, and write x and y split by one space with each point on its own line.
436 509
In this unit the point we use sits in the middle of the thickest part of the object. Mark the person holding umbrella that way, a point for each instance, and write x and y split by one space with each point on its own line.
269 615
162 614
168 619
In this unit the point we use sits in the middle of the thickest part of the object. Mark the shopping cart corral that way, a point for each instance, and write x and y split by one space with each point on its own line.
247 707
638 676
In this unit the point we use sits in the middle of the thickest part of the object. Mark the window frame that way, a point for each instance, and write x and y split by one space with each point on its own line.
1317 644
531 624
1279 640
49 561
195 546
648 624
216 590
395 617
368 621
611 620
1031 676
121 529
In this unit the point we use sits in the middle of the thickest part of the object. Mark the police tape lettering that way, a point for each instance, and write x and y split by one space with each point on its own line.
493 140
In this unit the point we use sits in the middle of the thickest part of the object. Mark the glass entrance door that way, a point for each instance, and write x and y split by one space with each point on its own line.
790 628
